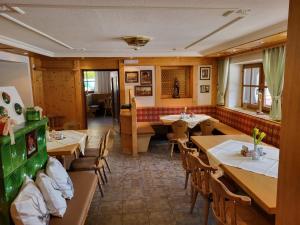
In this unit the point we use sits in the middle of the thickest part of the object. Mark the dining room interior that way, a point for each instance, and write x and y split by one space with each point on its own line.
149 112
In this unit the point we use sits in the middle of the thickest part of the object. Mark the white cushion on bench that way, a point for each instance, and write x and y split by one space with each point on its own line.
29 206
57 172
55 202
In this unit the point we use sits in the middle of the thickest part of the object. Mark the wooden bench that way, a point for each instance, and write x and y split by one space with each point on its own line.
85 184
223 129
144 134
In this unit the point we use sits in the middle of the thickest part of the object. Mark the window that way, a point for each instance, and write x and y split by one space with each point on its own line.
254 82
89 81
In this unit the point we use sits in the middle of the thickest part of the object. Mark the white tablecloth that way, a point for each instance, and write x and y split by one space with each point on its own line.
229 153
71 137
191 121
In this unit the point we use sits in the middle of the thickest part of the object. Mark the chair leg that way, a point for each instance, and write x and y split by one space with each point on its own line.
104 112
194 200
172 149
102 179
206 211
107 165
99 184
105 177
187 175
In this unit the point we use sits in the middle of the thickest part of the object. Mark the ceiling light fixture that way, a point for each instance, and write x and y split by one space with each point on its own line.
4 8
136 41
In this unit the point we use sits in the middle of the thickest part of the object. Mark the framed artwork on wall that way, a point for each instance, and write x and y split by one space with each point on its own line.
143 90
31 143
204 88
146 77
132 77
205 73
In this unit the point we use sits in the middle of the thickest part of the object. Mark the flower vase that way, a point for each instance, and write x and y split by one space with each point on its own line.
255 154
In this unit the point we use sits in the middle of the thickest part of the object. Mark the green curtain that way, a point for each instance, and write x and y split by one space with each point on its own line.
273 63
223 72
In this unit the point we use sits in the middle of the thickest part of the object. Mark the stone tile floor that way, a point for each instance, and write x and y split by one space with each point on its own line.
146 190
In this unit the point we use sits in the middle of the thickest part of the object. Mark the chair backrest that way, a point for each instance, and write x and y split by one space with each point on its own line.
200 174
184 150
225 202
207 127
107 102
179 128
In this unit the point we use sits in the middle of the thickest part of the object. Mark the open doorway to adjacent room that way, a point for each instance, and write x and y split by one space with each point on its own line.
102 100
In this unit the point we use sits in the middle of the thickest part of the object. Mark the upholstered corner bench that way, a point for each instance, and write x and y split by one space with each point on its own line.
85 184
230 121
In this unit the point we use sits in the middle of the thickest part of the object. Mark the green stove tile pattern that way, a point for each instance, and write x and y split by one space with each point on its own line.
14 164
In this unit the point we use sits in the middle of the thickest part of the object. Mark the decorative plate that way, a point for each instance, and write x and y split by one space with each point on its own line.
6 97
18 108
3 111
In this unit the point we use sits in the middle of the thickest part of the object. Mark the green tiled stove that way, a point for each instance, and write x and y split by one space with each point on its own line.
16 162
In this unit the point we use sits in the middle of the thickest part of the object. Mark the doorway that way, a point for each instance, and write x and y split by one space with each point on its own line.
102 99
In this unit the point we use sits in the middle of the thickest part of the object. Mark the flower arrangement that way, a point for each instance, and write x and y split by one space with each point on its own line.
258 136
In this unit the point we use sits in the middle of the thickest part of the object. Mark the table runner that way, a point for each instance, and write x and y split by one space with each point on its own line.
191 121
229 153
71 137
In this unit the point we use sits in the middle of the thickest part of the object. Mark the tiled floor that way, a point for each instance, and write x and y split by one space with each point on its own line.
146 190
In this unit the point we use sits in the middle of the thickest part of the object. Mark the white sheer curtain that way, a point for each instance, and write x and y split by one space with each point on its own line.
102 82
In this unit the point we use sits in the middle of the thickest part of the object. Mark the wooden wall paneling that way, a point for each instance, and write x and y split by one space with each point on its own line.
99 63
60 94
288 199
214 82
37 83
157 85
122 82
194 84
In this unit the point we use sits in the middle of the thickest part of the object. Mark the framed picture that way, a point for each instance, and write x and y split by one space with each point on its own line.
132 77
31 143
205 73
204 88
143 90
146 77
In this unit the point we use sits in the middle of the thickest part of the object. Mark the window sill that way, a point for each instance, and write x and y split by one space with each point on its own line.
264 116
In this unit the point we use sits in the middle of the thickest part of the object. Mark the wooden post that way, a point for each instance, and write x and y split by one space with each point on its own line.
288 200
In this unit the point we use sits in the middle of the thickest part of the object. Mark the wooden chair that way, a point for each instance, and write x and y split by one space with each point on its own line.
94 152
184 150
92 163
200 182
107 105
179 129
231 209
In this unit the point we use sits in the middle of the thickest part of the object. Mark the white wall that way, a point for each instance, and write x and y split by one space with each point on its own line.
141 100
15 71
204 98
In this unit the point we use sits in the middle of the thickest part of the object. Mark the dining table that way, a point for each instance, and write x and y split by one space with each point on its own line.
192 120
250 175
71 142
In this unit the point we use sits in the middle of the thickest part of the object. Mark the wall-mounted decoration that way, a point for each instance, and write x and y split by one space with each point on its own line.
143 90
3 111
204 88
205 73
31 143
132 77
146 77
6 97
18 108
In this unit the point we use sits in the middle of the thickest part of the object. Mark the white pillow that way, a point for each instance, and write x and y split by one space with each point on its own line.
56 204
57 172
29 206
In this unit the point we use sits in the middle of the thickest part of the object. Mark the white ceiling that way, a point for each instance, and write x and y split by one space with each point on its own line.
97 25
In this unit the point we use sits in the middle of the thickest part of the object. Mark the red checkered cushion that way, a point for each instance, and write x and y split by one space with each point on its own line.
246 123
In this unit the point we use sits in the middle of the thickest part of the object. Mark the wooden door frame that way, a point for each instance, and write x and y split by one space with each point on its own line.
83 91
